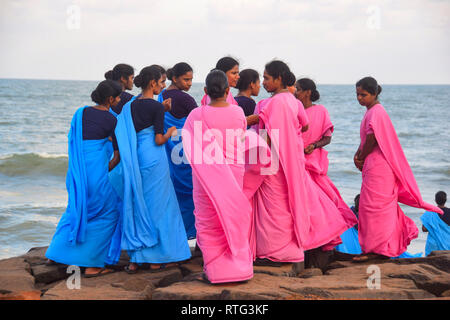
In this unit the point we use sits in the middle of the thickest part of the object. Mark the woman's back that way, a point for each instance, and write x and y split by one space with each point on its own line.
182 103
147 113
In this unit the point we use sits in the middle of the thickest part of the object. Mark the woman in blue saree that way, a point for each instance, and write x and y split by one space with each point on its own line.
124 75
180 171
153 230
87 234
437 226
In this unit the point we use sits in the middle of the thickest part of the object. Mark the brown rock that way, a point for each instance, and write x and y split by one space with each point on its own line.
193 265
308 273
436 285
445 293
137 286
102 292
437 259
22 295
35 256
261 286
48 274
15 278
284 270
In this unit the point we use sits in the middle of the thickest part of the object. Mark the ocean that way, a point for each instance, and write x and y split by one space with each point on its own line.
35 117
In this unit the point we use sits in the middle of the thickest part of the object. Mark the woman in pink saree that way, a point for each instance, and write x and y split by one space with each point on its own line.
230 67
384 230
291 213
222 211
316 157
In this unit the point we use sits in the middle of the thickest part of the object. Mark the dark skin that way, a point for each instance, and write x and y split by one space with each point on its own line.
274 86
305 97
154 88
367 100
110 101
183 82
127 82
252 90
221 101
233 76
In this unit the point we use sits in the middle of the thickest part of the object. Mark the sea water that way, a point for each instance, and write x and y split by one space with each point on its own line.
35 118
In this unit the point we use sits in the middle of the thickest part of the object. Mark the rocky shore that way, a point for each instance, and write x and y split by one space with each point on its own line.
28 278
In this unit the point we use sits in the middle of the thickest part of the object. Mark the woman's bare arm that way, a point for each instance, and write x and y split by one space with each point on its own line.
114 161
160 139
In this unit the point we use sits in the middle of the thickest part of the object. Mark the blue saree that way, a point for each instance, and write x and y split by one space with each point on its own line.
350 244
153 230
438 232
181 174
84 233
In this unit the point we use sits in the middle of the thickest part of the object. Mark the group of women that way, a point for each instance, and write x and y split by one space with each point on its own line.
147 175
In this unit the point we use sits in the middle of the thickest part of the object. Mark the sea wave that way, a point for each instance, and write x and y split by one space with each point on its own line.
34 164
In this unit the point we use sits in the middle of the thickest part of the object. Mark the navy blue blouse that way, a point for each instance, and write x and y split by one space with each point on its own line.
124 98
99 124
182 103
247 104
147 113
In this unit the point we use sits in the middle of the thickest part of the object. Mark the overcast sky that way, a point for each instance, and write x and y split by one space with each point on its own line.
331 41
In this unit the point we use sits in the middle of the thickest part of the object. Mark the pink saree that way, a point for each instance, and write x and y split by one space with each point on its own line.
230 99
280 204
386 180
292 214
222 211
316 163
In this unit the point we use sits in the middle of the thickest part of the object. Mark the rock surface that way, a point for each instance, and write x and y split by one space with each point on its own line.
28 278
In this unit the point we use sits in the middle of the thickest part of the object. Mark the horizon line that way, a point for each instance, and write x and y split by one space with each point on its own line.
334 84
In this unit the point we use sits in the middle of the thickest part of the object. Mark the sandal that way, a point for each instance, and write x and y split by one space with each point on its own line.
368 257
99 273
267 263
131 271
163 267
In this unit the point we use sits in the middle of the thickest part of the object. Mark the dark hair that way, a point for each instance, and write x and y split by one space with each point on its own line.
290 79
441 198
277 68
161 69
120 70
307 84
105 89
178 70
146 75
216 84
226 64
246 77
370 85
